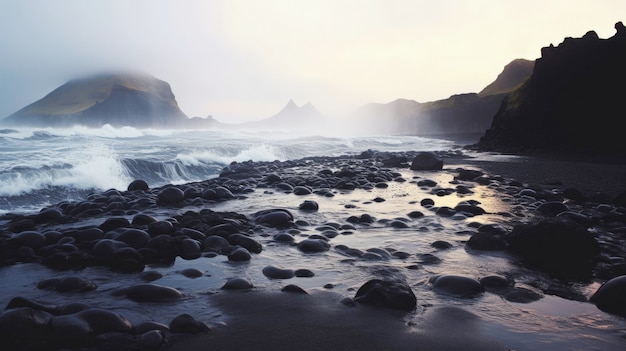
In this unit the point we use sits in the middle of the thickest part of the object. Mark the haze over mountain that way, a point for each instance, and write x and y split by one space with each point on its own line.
291 117
458 114
118 99
572 103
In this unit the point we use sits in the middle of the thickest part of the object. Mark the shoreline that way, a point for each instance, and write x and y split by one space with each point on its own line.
318 320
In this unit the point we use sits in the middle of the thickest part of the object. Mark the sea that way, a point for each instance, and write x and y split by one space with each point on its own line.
40 167
43 166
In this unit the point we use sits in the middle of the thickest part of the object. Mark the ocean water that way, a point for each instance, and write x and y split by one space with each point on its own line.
39 167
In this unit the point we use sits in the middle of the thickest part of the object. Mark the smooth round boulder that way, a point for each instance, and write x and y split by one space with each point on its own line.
67 284
240 254
611 296
246 242
309 206
275 218
148 292
30 239
394 294
104 321
135 238
192 273
313 245
552 208
274 272
170 195
556 245
190 249
237 284
486 242
426 161
138 185
292 288
456 285
186 324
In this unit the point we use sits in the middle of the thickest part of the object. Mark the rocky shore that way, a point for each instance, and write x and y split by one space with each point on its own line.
562 224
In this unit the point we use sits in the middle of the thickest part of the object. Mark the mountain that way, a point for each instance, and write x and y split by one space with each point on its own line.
291 117
117 99
572 103
469 113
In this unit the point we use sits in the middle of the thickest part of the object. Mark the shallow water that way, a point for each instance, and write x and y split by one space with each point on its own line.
550 323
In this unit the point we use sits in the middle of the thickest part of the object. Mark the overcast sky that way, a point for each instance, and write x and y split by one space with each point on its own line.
242 60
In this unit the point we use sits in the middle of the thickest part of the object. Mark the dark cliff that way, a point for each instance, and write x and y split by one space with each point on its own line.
116 99
571 104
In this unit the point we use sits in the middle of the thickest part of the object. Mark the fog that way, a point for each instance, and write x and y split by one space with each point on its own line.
243 60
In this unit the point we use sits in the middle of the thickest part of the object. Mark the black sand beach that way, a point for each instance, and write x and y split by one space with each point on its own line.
318 317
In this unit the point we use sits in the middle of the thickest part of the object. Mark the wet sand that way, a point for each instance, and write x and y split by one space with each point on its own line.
319 321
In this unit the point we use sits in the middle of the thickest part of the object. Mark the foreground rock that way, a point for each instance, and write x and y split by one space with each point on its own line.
557 245
611 296
392 294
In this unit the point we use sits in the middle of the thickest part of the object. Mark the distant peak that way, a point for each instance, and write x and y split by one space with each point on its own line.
291 104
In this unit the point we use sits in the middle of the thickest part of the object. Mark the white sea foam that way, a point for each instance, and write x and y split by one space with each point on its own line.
93 166
258 152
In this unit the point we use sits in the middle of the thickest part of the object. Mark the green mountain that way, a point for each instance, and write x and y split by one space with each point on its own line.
572 103
117 99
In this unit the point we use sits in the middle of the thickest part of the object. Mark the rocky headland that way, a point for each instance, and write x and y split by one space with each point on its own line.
570 105
117 99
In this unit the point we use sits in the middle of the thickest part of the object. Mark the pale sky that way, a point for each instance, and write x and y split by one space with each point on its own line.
243 60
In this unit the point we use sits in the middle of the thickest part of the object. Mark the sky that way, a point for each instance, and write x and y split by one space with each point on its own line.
241 60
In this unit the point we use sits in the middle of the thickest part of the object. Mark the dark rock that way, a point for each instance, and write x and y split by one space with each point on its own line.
522 295
68 284
160 227
556 245
611 296
456 285
190 249
278 273
150 276
30 239
552 208
186 324
239 254
549 112
245 241
291 288
304 273
237 284
313 245
138 185
135 238
147 292
495 282
309 206
275 218
170 195
486 242
426 161
441 245
394 294
114 223
284 237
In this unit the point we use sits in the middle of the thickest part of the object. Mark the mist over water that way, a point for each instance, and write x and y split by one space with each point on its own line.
43 166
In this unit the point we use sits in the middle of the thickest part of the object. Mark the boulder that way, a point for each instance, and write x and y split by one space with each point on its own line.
426 161
611 296
456 285
394 294
556 245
